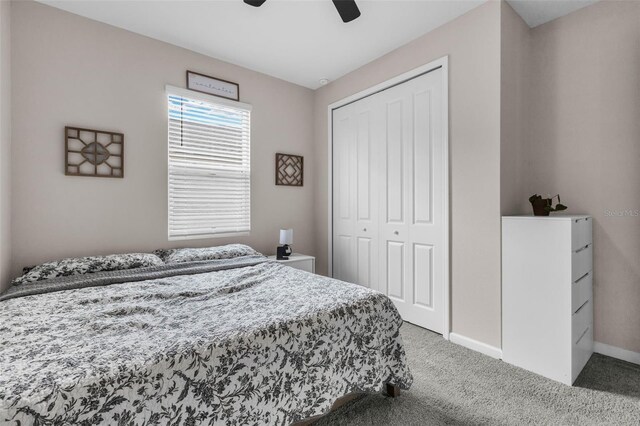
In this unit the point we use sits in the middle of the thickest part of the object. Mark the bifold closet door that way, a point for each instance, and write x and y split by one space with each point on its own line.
389 195
412 227
355 212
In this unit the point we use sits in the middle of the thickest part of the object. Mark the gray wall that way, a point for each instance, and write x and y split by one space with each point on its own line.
515 68
75 71
5 143
584 143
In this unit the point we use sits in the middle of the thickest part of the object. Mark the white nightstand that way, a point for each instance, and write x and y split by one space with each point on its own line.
299 261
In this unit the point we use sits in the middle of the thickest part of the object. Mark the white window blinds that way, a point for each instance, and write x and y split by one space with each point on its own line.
209 166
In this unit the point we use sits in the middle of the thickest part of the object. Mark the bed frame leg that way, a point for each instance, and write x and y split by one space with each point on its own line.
392 390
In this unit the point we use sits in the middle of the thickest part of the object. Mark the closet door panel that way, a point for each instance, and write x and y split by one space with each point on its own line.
355 197
342 163
423 275
364 251
395 270
394 262
363 161
427 229
414 200
343 195
343 263
394 148
422 191
366 223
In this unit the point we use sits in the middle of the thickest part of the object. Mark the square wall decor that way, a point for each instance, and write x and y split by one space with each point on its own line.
95 153
289 169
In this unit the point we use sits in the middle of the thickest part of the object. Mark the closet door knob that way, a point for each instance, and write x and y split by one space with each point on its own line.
396 232
364 229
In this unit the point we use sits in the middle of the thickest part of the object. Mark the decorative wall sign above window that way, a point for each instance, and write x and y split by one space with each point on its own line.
289 169
91 152
213 86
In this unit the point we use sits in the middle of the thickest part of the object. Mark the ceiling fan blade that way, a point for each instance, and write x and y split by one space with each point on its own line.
348 9
255 3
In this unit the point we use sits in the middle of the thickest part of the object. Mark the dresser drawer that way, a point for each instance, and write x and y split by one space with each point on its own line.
581 352
581 262
581 291
581 320
581 232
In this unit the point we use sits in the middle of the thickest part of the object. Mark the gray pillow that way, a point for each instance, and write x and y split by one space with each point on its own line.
87 265
228 251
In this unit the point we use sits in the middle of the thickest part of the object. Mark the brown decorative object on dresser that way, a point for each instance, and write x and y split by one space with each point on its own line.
90 152
289 169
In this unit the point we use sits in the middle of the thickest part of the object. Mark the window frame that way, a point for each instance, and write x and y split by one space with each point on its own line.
190 94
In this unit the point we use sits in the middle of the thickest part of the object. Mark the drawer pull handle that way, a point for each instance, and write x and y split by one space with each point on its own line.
582 278
584 333
582 248
580 308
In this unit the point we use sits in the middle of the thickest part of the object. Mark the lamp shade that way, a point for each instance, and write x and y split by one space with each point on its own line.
286 236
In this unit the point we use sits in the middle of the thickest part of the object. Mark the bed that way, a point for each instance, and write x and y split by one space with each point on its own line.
237 340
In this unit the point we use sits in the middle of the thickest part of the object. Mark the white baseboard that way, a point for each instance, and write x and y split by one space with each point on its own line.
615 352
493 352
475 345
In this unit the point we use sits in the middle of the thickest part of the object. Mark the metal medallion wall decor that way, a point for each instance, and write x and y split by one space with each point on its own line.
91 152
289 169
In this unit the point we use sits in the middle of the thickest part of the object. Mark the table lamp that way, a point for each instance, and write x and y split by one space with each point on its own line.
286 239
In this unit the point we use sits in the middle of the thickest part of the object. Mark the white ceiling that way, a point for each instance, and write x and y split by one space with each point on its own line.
538 12
301 41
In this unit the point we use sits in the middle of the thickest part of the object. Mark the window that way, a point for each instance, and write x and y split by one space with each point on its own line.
209 170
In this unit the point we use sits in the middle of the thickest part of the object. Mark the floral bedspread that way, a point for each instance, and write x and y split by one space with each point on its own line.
255 344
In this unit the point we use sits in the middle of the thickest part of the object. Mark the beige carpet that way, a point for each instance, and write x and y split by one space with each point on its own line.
456 386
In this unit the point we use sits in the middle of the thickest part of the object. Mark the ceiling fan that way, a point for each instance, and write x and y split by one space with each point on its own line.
348 9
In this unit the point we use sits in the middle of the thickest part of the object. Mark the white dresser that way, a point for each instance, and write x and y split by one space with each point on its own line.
547 294
298 261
